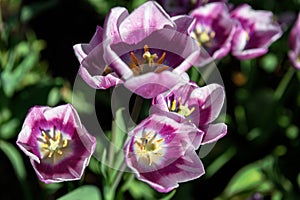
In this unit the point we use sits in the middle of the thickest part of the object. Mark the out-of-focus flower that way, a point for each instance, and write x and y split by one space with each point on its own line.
58 145
294 42
213 29
199 105
176 7
97 76
256 30
159 150
148 49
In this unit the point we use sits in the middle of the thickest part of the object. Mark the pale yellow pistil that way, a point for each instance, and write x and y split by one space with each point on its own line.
182 109
149 147
51 145
204 36
150 60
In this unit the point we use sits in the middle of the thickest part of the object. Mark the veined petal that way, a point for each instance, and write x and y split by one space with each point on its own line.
143 21
112 23
93 69
184 23
213 132
249 53
98 81
210 100
151 84
185 168
82 50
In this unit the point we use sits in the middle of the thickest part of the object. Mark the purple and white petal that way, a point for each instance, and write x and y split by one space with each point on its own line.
58 145
213 132
147 18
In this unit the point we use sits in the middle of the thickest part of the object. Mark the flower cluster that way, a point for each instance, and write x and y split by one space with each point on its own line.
148 52
247 33
161 150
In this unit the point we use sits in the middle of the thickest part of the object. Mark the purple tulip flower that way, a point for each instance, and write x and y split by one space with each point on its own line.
294 42
160 152
213 29
200 106
148 49
58 145
256 30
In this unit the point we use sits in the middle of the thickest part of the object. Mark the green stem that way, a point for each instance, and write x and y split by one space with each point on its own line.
111 151
110 188
284 83
136 108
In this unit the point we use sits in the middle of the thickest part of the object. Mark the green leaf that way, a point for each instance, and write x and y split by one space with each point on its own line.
53 97
247 178
140 190
8 129
119 131
169 196
104 164
86 192
15 158
11 79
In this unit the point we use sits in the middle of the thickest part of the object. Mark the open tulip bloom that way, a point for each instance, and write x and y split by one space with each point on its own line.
199 105
213 29
255 31
160 152
294 42
147 49
58 145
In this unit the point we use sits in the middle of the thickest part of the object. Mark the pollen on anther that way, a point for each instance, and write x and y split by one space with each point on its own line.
134 59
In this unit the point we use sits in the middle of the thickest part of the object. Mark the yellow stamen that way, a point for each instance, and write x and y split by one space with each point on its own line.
162 58
65 144
148 147
146 49
52 143
45 135
204 37
173 106
134 59
106 70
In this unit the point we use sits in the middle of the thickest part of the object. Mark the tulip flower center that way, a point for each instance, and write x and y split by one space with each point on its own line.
180 108
52 143
150 62
149 147
203 35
